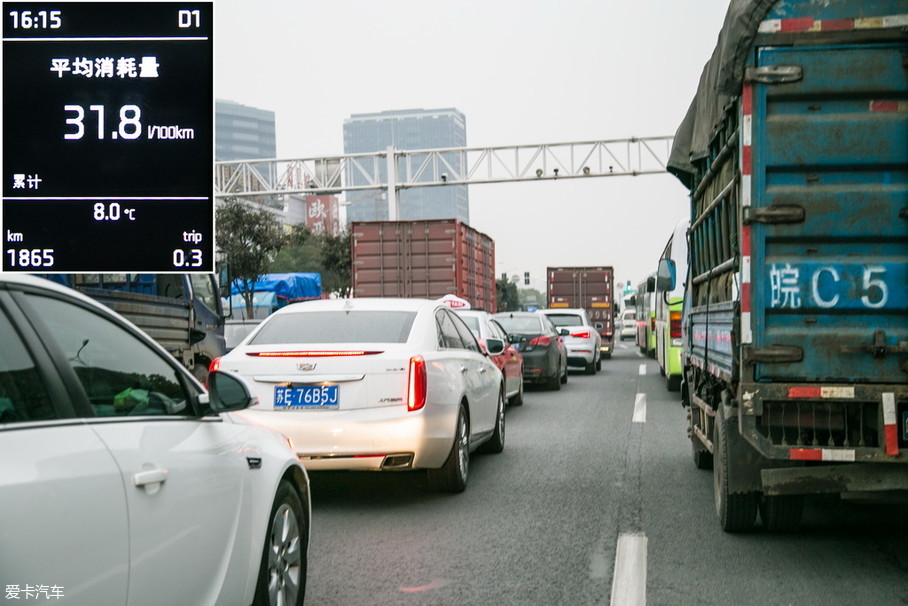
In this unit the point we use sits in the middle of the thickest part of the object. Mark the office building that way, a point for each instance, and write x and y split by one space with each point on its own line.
407 130
243 132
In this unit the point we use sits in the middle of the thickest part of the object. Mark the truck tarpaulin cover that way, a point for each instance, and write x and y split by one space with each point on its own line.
720 81
290 287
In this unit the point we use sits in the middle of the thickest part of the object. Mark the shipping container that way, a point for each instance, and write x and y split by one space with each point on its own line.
591 288
795 315
423 259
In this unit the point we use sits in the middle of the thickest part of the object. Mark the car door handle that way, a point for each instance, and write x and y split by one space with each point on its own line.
463 369
152 476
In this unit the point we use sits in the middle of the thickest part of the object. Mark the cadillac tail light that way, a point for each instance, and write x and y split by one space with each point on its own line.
417 384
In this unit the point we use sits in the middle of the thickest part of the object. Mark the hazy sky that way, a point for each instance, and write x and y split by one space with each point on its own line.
521 71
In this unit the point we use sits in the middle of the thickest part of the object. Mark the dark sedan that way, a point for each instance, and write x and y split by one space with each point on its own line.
543 350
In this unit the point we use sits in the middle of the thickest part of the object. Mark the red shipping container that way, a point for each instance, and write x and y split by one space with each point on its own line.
591 288
423 259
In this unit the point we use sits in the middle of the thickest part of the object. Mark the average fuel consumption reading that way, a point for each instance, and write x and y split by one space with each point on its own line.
128 127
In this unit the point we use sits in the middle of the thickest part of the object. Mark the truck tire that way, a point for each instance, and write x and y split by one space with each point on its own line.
703 458
737 511
782 513
673 383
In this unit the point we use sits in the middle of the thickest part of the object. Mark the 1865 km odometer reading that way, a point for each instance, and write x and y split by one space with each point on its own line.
108 137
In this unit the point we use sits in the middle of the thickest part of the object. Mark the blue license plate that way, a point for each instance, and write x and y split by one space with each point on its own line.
307 396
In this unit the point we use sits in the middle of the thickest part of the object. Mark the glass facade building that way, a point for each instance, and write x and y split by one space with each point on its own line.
243 132
407 130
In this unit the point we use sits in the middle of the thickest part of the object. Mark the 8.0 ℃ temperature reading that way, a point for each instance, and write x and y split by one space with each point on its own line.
112 212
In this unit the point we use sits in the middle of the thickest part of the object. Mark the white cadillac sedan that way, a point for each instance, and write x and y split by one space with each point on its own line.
122 481
375 384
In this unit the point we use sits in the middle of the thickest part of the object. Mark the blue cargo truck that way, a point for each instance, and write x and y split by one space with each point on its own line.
795 324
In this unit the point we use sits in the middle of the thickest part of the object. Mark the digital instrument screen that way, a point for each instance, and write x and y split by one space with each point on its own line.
108 137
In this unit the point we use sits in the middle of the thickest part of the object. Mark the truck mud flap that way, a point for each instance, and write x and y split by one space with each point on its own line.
826 479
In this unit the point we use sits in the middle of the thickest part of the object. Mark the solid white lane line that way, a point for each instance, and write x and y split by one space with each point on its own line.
640 408
642 370
629 582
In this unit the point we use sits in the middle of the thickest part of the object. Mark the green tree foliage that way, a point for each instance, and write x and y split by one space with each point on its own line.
507 295
323 253
248 238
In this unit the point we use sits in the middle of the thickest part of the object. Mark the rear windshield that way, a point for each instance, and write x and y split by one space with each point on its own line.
565 319
630 315
337 327
520 324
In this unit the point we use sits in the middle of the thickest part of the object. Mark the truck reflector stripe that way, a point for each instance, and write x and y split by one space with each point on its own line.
811 391
889 106
890 427
809 24
821 454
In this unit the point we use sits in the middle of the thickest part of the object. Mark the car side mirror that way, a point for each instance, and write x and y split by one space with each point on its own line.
494 346
227 392
564 332
513 339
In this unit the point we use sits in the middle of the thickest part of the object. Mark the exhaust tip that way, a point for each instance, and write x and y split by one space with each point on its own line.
397 461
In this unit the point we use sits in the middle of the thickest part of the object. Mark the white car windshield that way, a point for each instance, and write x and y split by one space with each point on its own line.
336 327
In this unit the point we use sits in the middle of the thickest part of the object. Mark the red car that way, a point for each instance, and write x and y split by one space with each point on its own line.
509 361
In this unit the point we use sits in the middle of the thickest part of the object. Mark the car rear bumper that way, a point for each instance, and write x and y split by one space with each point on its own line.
385 438
539 366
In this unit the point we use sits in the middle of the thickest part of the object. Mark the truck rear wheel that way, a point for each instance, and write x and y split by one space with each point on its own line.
737 511
782 513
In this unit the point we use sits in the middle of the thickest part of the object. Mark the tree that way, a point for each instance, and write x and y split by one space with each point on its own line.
507 295
322 253
248 239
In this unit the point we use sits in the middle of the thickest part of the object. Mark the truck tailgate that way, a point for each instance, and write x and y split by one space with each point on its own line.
829 217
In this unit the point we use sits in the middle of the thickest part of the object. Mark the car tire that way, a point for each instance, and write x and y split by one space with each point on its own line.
564 377
496 443
282 570
517 399
599 363
452 476
555 381
590 368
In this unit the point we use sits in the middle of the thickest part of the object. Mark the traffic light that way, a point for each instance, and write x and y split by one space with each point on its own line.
526 278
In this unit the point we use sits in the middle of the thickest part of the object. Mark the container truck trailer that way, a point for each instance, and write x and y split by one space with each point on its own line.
795 326
591 288
425 258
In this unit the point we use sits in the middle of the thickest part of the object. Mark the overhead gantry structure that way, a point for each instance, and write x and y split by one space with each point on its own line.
392 169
